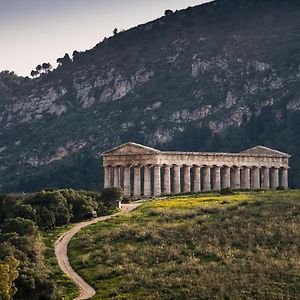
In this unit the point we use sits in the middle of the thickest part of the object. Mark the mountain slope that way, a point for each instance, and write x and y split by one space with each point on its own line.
222 76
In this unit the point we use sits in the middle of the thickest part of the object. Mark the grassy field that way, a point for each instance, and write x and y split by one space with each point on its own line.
241 246
67 289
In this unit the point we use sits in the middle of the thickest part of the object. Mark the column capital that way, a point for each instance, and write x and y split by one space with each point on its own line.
207 166
177 165
197 166
187 165
236 167
246 167
216 167
157 166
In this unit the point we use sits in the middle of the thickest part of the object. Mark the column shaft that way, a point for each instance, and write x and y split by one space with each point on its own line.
167 182
137 181
275 178
116 176
255 184
197 179
147 181
226 177
246 178
217 178
236 184
285 178
157 181
127 184
176 179
107 177
265 178
206 179
187 179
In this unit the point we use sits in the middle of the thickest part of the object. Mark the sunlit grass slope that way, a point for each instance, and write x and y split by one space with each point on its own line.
241 246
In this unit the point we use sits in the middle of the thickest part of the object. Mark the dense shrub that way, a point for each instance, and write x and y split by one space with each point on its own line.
111 194
226 191
51 209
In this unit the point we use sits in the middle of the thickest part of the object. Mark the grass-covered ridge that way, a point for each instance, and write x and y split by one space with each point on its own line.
241 246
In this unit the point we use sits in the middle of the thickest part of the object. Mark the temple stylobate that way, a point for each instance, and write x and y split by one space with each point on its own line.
144 171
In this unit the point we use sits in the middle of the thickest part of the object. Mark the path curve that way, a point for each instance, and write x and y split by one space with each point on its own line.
61 251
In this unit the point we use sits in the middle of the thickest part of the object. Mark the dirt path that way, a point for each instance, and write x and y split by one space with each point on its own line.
61 251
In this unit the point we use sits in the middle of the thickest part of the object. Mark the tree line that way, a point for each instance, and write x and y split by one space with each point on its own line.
23 273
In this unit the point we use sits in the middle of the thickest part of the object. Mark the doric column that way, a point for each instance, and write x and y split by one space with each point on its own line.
127 184
217 178
236 176
137 182
186 178
116 176
265 181
255 184
275 178
206 179
197 179
157 181
107 177
285 178
226 177
246 178
147 181
167 178
176 179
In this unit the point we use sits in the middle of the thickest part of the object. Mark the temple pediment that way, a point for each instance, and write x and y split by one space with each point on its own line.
261 150
131 148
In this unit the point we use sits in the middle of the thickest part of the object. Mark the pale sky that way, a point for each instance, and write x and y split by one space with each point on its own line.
37 31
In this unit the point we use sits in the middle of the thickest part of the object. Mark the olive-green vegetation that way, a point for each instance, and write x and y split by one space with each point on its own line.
28 266
240 246
223 76
8 274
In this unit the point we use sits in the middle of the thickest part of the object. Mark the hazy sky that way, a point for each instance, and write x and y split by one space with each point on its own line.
37 31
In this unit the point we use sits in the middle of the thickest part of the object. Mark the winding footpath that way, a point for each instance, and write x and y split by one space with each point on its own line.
61 251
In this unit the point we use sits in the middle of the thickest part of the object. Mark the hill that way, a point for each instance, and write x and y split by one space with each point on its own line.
241 246
222 76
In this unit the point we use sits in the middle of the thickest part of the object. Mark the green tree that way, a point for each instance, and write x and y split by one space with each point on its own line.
20 226
34 73
7 205
81 205
64 60
8 274
51 208
111 194
46 67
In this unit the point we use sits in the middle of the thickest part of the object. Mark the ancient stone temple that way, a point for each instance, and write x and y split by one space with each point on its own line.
144 171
